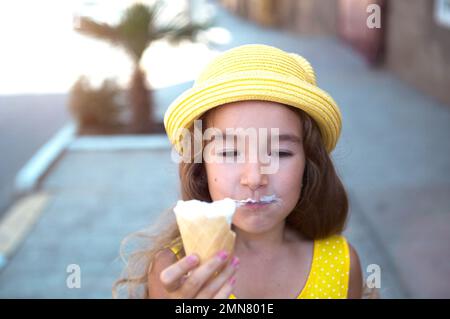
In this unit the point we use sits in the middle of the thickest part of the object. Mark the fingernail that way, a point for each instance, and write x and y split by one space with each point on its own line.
235 262
192 260
232 281
223 255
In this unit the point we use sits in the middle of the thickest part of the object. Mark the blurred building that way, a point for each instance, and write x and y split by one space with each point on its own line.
413 39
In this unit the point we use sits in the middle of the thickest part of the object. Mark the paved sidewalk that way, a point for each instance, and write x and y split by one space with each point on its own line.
96 199
394 158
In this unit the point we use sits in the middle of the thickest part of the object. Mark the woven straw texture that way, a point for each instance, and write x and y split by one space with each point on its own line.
255 72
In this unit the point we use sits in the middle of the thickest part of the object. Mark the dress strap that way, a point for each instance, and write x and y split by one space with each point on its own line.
177 248
330 269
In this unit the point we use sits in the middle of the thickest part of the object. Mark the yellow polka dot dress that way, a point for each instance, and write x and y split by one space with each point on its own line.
329 274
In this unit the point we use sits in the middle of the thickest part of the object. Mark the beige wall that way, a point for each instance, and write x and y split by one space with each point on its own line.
418 49
415 46
309 17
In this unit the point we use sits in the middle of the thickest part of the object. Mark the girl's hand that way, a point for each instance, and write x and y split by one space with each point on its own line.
213 279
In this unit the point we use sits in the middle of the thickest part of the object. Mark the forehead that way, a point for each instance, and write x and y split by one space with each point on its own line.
254 114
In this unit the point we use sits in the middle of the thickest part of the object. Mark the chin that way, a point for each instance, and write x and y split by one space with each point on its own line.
253 225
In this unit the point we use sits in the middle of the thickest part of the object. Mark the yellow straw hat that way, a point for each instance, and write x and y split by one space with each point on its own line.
255 72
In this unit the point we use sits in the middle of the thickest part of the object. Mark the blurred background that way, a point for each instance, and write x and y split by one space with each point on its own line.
84 159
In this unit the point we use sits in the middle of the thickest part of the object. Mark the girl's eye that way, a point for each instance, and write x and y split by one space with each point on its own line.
280 154
229 153
273 153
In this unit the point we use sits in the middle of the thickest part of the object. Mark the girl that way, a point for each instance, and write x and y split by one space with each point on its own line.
291 248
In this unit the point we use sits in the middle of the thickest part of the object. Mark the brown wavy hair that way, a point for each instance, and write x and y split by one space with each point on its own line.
320 212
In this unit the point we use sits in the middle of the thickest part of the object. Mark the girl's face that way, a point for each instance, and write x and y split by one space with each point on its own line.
246 179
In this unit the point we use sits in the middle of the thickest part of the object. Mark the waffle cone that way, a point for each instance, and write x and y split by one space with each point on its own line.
206 236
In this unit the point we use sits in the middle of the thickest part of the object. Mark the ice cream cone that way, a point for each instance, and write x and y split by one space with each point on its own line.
206 228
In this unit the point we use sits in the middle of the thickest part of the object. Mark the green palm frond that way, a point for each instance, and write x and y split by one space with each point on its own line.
138 28
101 31
181 29
135 29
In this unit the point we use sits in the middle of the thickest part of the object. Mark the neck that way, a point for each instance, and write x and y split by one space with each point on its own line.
269 241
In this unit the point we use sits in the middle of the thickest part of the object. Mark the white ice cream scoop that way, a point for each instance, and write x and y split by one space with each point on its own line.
193 209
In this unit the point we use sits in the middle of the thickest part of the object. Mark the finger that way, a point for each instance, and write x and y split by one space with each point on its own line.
226 290
170 277
184 278
202 274
216 283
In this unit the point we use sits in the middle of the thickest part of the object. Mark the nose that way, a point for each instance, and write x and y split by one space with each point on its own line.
252 177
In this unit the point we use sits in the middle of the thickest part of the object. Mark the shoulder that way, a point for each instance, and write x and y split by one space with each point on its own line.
164 256
338 248
162 260
355 285
335 244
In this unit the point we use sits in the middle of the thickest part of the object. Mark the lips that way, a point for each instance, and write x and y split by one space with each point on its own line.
258 206
261 202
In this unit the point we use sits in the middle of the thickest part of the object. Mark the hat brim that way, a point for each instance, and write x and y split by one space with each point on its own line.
255 85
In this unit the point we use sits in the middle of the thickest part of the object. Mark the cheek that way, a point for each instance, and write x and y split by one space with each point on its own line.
289 180
292 176
221 180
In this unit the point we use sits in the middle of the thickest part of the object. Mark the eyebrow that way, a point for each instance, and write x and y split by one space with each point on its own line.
281 137
289 138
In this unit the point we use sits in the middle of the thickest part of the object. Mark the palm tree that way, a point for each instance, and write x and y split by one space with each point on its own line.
136 30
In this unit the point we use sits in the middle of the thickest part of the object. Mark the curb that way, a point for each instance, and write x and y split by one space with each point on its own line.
120 143
28 177
26 210
65 139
